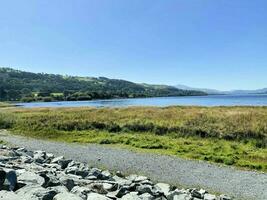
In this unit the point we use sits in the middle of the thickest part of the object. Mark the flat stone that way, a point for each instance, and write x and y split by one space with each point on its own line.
131 196
81 191
164 188
36 192
31 178
181 197
224 197
209 197
146 196
67 196
95 196
6 195
67 182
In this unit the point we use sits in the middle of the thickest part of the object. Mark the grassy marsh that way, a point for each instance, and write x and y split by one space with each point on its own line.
229 135
4 105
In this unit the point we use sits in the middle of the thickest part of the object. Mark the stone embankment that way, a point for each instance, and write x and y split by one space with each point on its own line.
38 175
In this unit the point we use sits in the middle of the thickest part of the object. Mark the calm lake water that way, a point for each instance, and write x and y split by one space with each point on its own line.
211 100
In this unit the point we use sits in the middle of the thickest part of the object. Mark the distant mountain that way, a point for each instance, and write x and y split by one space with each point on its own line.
259 91
208 91
213 91
16 85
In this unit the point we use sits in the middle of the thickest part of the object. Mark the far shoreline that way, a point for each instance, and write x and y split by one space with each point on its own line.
251 100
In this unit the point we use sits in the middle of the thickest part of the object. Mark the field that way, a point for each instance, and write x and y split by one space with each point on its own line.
228 135
4 105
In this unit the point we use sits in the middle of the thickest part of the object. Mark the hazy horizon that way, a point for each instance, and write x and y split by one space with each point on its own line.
220 44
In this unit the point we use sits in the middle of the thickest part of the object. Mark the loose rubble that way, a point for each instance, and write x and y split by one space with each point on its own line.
27 175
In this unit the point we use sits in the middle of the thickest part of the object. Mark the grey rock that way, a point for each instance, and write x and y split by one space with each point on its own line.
145 189
122 181
2 178
59 189
39 156
67 182
146 196
209 197
61 161
31 178
40 176
131 196
181 197
198 193
81 191
95 196
224 197
12 180
50 180
66 196
50 156
97 188
26 159
122 191
6 195
35 192
164 188
57 159
108 186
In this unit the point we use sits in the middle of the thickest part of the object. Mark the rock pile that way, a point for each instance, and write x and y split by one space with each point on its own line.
27 175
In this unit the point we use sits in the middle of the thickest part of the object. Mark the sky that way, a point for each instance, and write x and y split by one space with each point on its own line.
218 44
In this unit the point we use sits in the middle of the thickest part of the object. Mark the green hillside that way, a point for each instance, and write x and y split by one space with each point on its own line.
18 85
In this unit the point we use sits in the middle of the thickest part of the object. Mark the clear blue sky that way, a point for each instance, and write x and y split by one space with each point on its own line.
218 44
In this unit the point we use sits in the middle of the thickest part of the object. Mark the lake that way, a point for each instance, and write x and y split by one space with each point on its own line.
210 100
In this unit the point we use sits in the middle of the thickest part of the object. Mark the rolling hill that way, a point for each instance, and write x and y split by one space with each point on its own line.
16 85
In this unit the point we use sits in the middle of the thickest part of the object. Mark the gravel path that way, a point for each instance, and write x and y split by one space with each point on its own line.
169 169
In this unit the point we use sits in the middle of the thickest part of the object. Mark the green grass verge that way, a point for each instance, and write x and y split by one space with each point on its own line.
228 135
208 149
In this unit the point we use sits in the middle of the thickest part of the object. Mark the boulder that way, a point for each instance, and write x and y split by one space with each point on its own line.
11 178
2 178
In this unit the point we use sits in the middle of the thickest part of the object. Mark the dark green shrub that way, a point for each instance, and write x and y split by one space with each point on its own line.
98 125
229 161
27 99
161 130
105 141
114 128
84 98
136 127
47 99
261 143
